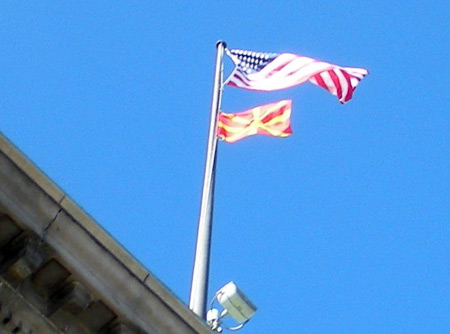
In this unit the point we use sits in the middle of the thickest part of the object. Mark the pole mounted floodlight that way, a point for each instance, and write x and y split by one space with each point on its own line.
235 305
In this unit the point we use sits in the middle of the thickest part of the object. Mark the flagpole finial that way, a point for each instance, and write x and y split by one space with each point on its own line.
221 42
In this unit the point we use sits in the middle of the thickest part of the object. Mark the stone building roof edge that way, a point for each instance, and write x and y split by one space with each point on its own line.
108 242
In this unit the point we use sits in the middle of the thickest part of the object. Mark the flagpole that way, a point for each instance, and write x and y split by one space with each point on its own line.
199 283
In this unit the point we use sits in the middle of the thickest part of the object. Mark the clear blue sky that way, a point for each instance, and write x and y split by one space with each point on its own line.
341 228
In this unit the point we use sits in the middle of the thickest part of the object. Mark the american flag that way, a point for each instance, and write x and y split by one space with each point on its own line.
271 71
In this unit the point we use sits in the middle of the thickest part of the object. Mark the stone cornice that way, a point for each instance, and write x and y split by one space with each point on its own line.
91 256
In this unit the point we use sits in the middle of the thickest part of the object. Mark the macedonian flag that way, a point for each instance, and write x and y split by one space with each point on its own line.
270 119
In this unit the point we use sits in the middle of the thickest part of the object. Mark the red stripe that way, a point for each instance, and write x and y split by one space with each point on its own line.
240 79
320 81
336 82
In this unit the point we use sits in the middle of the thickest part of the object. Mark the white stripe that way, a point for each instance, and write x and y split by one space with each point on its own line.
281 60
357 72
293 74
298 70
354 82
329 82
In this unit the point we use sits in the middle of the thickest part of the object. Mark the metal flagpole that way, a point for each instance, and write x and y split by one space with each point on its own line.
199 284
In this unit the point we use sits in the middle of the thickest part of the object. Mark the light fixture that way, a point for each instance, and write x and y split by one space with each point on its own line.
235 304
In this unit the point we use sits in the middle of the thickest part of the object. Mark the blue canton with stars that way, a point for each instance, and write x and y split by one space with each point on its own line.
250 61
